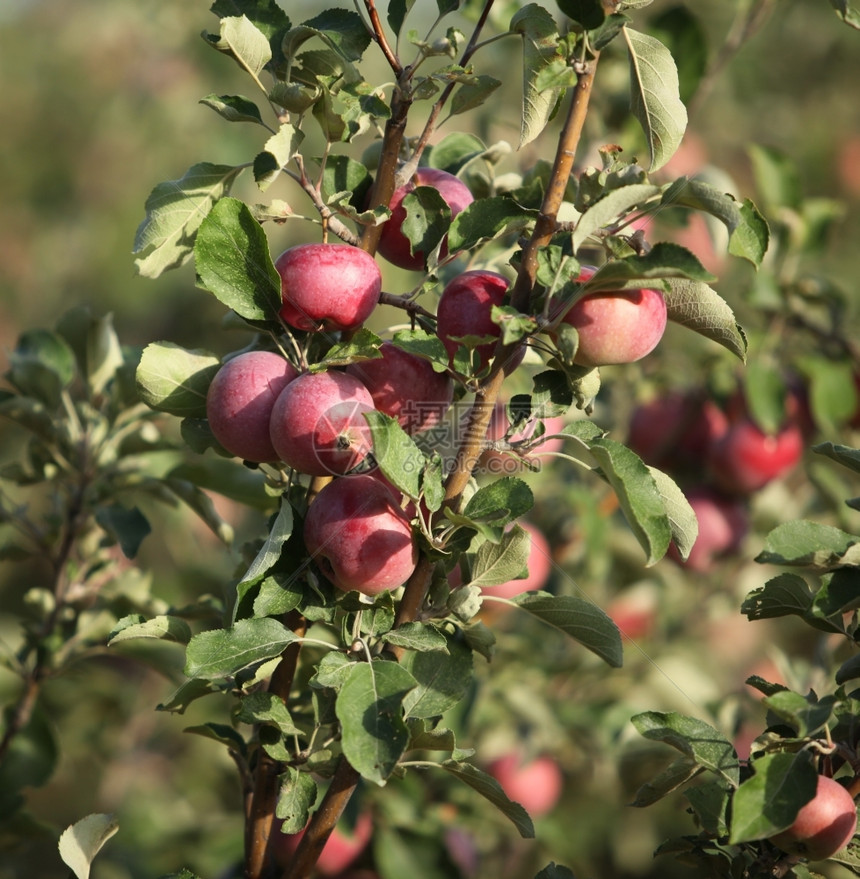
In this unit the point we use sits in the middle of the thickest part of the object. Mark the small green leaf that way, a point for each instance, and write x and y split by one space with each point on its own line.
769 801
694 738
555 871
486 218
233 261
42 365
682 517
417 636
162 626
578 618
638 495
270 551
500 501
129 527
441 679
810 544
786 595
655 96
396 453
175 380
614 205
242 40
500 562
233 108
847 13
807 715
174 211
490 789
776 177
428 217
267 708
278 152
266 15
677 773
369 707
472 92
296 798
82 841
698 307
423 344
341 29
221 653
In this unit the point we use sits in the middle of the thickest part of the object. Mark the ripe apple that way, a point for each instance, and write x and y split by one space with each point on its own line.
359 536
723 524
675 432
745 458
616 326
634 611
465 309
393 244
318 425
341 849
493 461
535 784
240 400
539 566
327 286
405 387
823 826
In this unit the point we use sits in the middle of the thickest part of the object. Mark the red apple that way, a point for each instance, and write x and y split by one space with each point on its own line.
723 524
535 784
616 326
405 387
465 309
327 286
497 462
675 432
318 425
359 536
341 849
539 566
634 611
824 826
745 458
240 400
393 244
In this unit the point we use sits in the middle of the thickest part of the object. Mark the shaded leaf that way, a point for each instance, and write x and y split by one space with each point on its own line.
296 797
810 544
441 679
698 307
162 626
677 773
173 379
234 108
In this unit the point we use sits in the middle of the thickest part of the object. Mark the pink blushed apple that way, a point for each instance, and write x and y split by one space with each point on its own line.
318 426
240 400
535 784
359 537
327 286
341 849
616 326
723 524
405 387
465 309
393 244
824 825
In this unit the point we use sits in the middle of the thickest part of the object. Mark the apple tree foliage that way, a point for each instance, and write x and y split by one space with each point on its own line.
336 694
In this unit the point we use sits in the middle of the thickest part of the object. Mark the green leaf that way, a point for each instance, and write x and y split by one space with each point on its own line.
270 551
710 801
682 32
555 871
786 595
343 174
486 218
174 211
807 715
610 208
396 453
501 501
655 96
82 841
472 92
500 562
266 15
267 708
441 679
750 239
769 801
810 544
833 394
296 798
540 48
776 177
233 108
278 152
847 13
243 41
127 527
104 356
491 790
175 380
700 308
844 455
694 738
428 217
677 773
221 653
682 517
417 636
638 495
455 151
162 626
588 13
233 261
341 29
578 618
369 707
42 365
423 344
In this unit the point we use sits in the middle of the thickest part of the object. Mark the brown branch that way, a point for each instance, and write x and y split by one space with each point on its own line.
380 38
260 819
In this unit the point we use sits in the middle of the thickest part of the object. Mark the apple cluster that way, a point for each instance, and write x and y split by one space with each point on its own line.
721 456
264 410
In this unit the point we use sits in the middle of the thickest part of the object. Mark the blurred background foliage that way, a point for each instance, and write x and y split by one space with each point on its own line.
100 103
